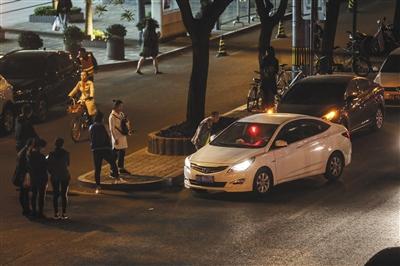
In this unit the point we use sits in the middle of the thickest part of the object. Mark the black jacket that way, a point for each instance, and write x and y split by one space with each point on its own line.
23 131
37 167
99 138
64 6
21 168
57 164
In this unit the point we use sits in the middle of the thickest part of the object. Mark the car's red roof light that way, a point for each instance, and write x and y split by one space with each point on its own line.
254 130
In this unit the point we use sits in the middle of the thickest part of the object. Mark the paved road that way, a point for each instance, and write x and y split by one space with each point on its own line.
306 222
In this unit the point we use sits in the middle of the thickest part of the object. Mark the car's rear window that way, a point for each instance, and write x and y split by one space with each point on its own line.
22 66
392 64
322 92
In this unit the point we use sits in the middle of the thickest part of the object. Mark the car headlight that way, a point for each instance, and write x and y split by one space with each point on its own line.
187 162
242 166
270 110
331 115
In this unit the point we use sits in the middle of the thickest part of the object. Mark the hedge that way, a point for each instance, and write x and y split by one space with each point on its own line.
50 11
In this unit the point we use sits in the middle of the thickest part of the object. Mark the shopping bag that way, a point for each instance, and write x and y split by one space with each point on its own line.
56 24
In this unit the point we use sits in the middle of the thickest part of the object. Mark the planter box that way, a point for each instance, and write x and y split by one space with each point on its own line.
79 17
169 146
94 44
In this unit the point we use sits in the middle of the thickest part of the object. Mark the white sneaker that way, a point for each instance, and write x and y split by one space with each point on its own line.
98 190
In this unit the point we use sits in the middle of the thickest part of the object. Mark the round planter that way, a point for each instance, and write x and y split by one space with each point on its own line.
116 48
169 146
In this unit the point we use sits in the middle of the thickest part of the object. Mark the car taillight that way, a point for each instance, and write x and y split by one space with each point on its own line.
346 134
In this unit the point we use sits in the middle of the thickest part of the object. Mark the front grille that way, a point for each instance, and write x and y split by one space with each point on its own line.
208 169
214 184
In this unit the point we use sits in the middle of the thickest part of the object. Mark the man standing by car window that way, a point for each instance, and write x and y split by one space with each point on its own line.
87 62
202 135
23 127
269 70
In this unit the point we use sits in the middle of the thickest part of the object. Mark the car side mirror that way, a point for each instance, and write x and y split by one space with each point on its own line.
281 143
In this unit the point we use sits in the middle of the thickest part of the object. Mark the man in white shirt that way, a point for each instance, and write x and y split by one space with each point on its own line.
119 129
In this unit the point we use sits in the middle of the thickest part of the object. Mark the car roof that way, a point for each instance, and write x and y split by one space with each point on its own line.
44 53
276 118
334 78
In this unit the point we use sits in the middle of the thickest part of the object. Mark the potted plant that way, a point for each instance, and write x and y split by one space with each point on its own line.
115 42
45 14
30 40
98 40
73 36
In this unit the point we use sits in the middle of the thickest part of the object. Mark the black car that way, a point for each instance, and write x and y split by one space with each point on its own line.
352 101
39 77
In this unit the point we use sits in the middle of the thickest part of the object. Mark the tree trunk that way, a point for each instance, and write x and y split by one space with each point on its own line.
264 40
328 37
396 19
55 3
89 18
198 80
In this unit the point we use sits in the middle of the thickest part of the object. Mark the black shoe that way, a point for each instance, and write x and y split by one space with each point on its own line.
64 216
113 176
41 216
124 171
139 72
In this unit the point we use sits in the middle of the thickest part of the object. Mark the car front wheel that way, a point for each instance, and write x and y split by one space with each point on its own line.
262 183
334 166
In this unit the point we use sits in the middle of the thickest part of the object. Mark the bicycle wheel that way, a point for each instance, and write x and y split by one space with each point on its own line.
252 98
361 66
76 127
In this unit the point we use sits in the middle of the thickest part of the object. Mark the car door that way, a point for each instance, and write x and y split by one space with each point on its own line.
353 105
290 161
367 101
52 79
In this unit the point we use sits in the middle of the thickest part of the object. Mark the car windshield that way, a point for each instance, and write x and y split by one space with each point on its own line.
245 135
318 93
392 64
22 66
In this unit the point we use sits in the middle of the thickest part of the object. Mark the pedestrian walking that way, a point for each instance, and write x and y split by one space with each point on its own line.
150 45
37 168
102 150
119 129
24 129
203 132
269 70
22 177
87 63
63 10
57 165
86 89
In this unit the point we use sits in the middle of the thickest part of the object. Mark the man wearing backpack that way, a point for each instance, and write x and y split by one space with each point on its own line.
120 129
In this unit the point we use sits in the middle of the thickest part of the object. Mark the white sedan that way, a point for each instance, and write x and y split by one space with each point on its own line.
260 151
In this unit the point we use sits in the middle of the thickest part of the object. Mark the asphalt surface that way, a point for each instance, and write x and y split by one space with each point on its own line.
305 222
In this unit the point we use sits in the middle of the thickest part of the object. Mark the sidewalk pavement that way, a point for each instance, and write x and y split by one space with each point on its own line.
148 171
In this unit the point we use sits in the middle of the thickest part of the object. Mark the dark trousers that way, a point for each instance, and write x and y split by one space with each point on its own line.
269 89
60 188
24 199
120 157
38 194
98 157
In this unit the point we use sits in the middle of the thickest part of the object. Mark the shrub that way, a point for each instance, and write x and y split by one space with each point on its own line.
99 35
73 36
30 40
116 30
50 11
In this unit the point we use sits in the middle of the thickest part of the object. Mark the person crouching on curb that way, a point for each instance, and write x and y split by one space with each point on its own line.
57 165
119 129
86 88
203 132
101 148
37 168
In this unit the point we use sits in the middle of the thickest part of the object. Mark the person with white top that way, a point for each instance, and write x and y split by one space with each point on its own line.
120 129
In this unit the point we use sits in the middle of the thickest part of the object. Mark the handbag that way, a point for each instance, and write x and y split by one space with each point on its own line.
56 24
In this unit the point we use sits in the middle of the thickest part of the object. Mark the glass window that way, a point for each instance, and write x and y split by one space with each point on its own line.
64 61
291 133
312 127
22 66
245 135
392 64
316 92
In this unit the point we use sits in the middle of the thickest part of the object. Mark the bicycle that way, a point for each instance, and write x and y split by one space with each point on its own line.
284 77
81 120
254 96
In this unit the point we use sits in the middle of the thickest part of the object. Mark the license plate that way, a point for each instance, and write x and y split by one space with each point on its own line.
207 179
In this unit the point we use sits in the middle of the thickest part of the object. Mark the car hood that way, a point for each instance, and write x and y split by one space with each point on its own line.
210 154
24 83
312 110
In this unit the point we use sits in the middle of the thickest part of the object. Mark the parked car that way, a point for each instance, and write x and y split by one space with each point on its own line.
389 78
352 101
7 115
41 78
263 150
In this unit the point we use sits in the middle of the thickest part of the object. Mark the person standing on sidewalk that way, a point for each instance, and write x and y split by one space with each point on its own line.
37 168
101 148
23 178
120 129
87 63
57 165
63 10
203 132
24 129
269 70
150 46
